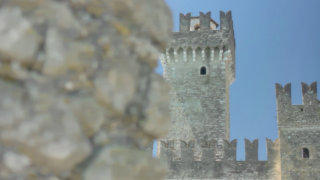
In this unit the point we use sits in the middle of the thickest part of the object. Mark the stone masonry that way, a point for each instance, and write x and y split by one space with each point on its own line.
199 103
299 133
199 65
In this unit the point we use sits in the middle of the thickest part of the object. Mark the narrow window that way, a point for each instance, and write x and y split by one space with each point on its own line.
189 54
208 53
171 54
305 153
203 71
216 53
198 54
180 54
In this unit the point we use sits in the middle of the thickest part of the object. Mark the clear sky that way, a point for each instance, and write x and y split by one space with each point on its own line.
277 41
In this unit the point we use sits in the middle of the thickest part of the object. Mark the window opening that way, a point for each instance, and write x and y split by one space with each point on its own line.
203 71
305 153
189 54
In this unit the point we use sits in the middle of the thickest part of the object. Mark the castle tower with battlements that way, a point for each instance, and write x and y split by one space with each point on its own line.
299 133
199 65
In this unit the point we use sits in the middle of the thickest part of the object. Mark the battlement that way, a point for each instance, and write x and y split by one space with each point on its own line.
202 31
200 43
204 22
212 166
307 114
211 150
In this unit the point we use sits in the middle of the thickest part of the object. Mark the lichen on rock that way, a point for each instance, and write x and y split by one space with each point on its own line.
79 96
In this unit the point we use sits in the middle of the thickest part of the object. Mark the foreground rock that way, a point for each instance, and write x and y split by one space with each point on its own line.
78 95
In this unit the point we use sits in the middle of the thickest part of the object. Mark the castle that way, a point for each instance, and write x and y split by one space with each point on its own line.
199 64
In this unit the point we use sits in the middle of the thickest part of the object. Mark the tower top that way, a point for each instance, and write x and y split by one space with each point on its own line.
304 115
203 22
196 23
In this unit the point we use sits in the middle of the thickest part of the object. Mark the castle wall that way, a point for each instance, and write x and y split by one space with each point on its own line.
200 103
199 64
299 129
211 167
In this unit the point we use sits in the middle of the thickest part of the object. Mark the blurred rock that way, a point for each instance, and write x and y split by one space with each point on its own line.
90 114
49 133
158 110
123 163
78 95
19 40
64 54
16 162
110 88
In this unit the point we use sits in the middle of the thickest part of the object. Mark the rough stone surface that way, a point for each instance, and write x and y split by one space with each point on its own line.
159 98
19 39
79 98
111 162
299 128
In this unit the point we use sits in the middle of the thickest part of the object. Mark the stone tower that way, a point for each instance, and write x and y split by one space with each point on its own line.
299 133
199 64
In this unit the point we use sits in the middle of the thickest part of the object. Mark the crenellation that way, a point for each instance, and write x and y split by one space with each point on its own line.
226 22
283 94
299 132
211 167
306 114
199 64
200 23
185 22
210 148
205 20
309 94
251 150
272 149
230 150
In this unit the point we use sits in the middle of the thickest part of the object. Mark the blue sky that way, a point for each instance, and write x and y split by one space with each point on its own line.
277 41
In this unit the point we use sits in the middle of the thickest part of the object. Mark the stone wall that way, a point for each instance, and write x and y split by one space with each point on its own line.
200 102
78 95
197 145
209 166
299 129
